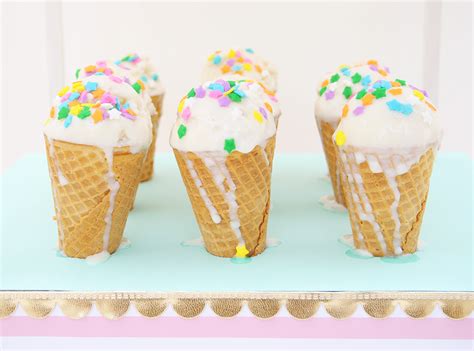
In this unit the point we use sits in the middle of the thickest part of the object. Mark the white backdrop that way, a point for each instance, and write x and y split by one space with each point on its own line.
427 43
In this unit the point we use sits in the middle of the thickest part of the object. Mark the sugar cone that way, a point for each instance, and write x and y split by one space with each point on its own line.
374 227
147 170
326 131
79 178
251 174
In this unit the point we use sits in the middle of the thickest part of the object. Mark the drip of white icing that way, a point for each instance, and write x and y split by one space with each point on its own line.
329 203
272 242
114 186
347 239
265 156
125 243
217 167
207 201
62 179
363 252
98 258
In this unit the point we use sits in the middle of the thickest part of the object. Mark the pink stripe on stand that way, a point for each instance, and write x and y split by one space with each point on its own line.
241 327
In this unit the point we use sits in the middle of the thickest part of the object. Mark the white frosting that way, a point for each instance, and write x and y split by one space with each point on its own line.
145 70
209 125
380 127
329 203
115 131
213 67
329 109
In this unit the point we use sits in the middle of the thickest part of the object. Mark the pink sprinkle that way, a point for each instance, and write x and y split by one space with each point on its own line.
116 79
273 98
105 114
359 110
129 116
374 68
230 62
137 59
329 95
83 97
238 53
101 64
224 101
215 94
200 92
247 60
107 98
186 113
65 97
108 72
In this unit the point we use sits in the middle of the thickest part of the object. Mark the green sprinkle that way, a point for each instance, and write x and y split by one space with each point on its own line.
235 97
379 93
323 89
85 112
191 93
182 131
229 145
361 94
137 87
77 72
231 83
401 81
347 92
356 78
334 78
63 113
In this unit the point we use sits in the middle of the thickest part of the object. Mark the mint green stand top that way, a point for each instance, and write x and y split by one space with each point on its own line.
310 257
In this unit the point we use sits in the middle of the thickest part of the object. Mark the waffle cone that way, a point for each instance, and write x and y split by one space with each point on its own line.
147 170
412 186
326 131
251 174
82 201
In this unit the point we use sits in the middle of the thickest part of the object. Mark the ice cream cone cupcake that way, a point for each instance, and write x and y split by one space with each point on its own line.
333 93
386 144
97 137
140 68
240 63
224 140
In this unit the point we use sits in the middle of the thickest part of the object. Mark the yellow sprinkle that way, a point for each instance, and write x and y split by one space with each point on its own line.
75 110
241 251
258 116
231 53
343 66
229 91
419 94
247 66
340 138
181 105
211 57
78 87
88 104
47 121
63 91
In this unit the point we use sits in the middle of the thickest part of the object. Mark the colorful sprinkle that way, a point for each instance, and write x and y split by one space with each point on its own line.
322 90
241 251
229 145
224 101
97 116
358 110
356 78
137 87
367 99
395 105
182 131
63 113
91 86
361 94
345 110
402 82
334 78
186 113
340 138
395 91
258 116
329 95
379 93
68 121
191 93
347 92
200 92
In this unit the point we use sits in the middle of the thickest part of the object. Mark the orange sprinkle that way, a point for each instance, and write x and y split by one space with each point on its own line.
395 84
130 111
325 83
373 62
240 59
383 72
367 99
90 68
73 103
97 116
258 68
141 84
345 110
98 93
269 107
51 112
430 105
395 91
225 69
101 69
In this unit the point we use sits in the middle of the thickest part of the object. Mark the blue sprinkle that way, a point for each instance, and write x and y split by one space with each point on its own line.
366 81
240 93
407 109
346 71
216 86
126 105
395 105
236 68
217 60
68 121
154 76
117 104
91 86
99 74
74 96
62 105
144 78
382 84
118 62
249 50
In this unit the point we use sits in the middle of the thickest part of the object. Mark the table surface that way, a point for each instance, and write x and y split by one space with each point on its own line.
309 258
